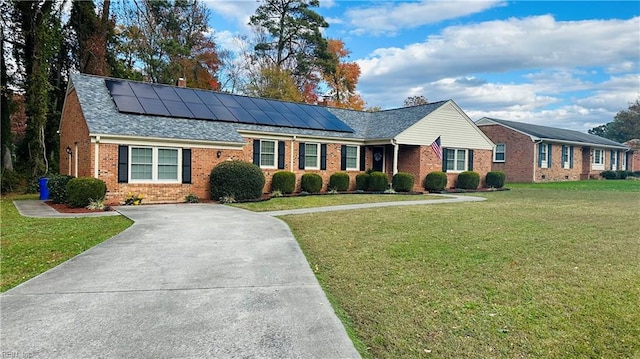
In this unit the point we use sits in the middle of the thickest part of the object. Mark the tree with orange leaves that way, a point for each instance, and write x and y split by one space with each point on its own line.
342 78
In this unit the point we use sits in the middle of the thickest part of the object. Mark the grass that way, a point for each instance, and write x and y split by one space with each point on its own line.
541 271
283 203
30 246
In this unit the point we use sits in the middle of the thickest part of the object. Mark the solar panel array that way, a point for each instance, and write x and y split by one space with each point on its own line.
169 101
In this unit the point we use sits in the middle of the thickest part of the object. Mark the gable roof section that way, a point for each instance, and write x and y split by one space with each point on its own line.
537 132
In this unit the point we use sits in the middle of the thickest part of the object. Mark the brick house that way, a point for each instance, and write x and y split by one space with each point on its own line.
163 141
633 158
533 153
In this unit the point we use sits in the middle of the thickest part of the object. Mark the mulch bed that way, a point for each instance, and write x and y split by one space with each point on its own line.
63 208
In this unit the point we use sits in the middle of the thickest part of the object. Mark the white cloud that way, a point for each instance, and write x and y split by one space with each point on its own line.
390 17
238 11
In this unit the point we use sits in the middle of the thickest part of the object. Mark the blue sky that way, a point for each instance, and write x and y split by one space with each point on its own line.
571 64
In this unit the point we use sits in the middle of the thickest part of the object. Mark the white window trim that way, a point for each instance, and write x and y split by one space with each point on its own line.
504 152
614 164
623 161
275 154
544 163
307 165
455 160
597 165
357 167
566 164
154 165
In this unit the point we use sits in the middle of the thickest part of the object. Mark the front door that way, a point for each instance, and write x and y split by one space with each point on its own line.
378 159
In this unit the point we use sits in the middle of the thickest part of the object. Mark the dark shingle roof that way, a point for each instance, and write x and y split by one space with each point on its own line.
103 118
552 133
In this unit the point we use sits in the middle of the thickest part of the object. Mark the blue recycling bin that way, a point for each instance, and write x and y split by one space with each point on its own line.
44 190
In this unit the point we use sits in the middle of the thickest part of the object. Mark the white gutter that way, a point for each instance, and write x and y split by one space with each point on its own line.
395 156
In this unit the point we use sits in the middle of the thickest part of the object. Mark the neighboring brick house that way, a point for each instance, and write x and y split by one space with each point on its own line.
163 141
633 157
533 153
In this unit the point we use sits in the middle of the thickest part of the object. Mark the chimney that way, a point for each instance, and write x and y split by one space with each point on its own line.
182 82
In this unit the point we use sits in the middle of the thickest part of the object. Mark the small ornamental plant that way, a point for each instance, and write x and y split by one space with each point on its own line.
133 199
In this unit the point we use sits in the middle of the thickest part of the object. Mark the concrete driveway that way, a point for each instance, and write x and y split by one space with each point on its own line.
185 281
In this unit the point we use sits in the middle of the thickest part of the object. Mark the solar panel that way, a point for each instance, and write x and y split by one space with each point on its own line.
143 90
153 106
178 109
178 102
128 104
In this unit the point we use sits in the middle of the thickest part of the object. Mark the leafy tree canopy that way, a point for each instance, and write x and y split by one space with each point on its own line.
625 125
415 101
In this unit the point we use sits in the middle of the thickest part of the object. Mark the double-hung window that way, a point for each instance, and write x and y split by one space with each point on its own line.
456 160
267 153
152 164
543 155
352 157
567 157
597 161
312 156
499 152
614 160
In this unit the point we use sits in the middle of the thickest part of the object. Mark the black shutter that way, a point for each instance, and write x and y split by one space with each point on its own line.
444 159
570 156
280 154
363 157
301 156
343 157
323 156
186 165
540 153
611 157
123 164
549 155
470 164
628 154
256 152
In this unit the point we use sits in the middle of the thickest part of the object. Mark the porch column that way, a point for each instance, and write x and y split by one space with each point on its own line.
395 157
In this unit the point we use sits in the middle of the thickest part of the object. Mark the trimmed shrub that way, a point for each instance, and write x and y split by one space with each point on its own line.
57 186
311 182
81 190
622 174
362 181
495 179
236 179
609 174
402 182
378 181
636 173
339 181
468 180
435 181
283 181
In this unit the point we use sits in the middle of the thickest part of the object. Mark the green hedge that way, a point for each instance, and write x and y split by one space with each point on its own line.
495 179
339 181
57 186
468 180
283 181
435 181
311 182
81 190
402 182
9 180
378 181
362 181
236 180
609 174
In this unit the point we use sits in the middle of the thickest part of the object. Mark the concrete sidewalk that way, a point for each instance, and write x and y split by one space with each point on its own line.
187 281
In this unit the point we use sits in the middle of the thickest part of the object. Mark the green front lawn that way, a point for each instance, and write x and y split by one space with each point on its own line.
30 246
541 271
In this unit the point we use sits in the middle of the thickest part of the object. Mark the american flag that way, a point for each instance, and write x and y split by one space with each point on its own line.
435 146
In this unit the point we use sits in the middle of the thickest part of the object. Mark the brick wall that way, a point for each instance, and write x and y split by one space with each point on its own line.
556 172
74 134
519 153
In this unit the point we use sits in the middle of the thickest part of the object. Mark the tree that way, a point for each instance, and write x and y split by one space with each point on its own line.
415 101
6 145
276 83
169 39
91 37
625 125
342 78
290 39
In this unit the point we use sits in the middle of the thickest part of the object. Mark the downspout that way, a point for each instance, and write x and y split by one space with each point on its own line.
395 156
535 163
96 154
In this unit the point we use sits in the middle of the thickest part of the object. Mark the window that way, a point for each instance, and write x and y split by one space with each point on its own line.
267 153
623 161
543 155
150 164
597 162
456 160
614 160
311 156
498 152
352 157
567 157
